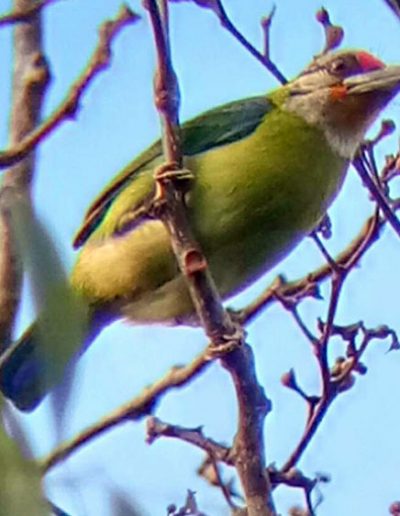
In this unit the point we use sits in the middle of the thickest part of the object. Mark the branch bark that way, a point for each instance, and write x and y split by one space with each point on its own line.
30 79
68 109
226 337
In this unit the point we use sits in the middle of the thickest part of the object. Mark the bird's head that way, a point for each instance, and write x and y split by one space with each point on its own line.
343 93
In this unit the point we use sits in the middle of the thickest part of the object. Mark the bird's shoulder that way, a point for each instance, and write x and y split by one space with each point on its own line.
219 126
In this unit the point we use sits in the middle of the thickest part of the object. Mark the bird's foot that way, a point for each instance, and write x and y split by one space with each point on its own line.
182 178
228 342
172 172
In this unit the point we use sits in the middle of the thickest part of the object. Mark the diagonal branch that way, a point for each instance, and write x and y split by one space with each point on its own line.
69 107
136 409
308 285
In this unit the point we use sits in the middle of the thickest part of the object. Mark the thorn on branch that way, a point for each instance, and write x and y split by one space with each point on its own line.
156 428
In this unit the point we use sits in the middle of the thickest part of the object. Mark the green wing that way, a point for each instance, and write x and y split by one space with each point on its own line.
219 126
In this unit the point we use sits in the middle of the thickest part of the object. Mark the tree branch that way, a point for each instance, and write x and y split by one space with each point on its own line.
30 79
136 409
69 107
225 337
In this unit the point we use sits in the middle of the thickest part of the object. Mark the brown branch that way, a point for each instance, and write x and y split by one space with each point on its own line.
308 285
24 15
156 428
226 338
172 182
340 380
218 9
319 406
255 481
68 109
333 33
136 409
266 23
375 190
248 450
264 59
30 79
216 452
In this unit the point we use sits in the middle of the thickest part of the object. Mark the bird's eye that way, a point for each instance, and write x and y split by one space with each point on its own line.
339 66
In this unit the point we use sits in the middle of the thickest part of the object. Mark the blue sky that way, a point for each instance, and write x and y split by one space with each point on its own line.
357 444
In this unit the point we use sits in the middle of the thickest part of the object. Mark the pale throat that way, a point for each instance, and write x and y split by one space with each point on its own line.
344 123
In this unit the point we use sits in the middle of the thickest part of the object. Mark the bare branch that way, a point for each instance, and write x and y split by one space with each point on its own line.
340 379
333 33
30 79
226 338
360 165
218 9
157 428
69 107
172 182
136 409
308 285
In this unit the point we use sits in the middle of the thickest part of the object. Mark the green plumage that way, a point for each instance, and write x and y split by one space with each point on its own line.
263 179
266 169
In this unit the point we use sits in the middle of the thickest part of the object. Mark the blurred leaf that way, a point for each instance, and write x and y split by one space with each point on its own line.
122 505
20 489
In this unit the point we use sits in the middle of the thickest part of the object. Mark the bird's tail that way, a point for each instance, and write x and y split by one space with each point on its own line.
29 369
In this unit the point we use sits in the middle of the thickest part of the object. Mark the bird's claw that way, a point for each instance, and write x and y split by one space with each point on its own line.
171 172
181 177
228 343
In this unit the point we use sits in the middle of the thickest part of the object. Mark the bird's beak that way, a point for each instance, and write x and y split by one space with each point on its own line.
385 80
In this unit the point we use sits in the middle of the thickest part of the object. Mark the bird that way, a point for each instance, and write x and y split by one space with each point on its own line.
266 169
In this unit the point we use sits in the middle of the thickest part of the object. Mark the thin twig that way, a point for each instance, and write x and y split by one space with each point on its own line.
218 9
360 165
338 382
135 409
264 59
308 285
156 428
69 107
